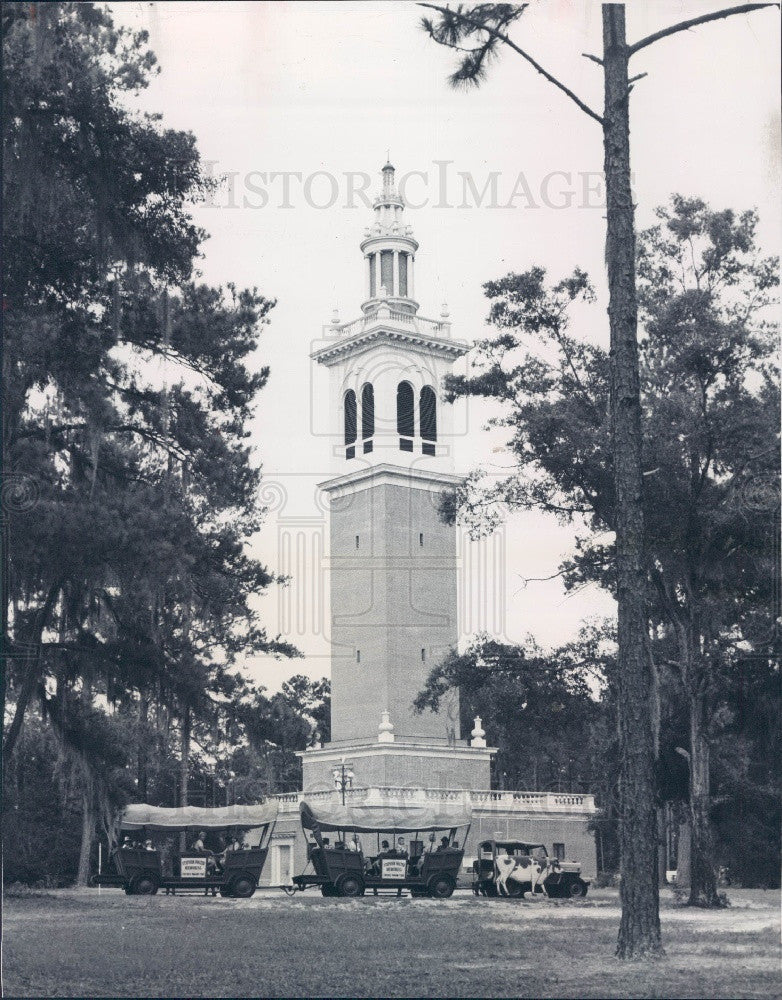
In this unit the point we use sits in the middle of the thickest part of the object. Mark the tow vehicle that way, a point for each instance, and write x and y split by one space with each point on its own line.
428 863
141 870
563 878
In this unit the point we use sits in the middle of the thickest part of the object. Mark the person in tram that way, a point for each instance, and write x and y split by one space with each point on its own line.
148 845
443 845
198 844
354 844
384 852
400 851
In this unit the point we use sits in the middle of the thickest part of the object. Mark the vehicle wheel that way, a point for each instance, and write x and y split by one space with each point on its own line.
489 889
417 893
328 890
578 889
515 890
350 885
242 886
128 890
144 885
224 890
441 886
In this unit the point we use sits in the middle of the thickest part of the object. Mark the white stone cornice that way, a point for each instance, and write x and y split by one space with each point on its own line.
390 475
387 334
428 750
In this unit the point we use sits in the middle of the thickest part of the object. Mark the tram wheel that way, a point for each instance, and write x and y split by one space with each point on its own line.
242 886
328 890
350 886
441 886
144 885
577 889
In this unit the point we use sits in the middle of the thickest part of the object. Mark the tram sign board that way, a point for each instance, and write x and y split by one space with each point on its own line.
193 867
394 868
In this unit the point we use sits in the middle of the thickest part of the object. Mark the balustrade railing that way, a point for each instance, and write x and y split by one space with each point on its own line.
420 324
491 799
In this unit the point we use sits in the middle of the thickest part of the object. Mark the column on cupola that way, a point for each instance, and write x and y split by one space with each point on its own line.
395 290
378 274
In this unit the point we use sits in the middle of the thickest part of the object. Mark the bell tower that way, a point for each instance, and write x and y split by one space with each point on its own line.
392 560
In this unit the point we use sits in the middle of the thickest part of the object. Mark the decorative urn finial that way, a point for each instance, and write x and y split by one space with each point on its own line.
385 731
478 735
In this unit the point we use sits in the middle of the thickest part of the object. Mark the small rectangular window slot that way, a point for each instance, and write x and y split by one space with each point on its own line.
427 448
367 446
350 452
358 656
423 655
421 539
405 444
356 541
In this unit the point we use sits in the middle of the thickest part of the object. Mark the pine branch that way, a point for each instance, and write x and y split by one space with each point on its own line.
447 12
717 15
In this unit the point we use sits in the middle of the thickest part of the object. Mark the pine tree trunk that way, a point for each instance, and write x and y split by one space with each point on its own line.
142 747
87 832
639 931
184 767
703 878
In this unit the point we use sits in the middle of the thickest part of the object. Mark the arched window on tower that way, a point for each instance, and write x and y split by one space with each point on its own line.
405 415
428 420
350 424
367 416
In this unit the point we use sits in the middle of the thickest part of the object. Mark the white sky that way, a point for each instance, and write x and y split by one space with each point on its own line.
308 87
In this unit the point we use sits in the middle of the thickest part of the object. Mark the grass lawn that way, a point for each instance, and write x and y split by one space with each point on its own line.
77 943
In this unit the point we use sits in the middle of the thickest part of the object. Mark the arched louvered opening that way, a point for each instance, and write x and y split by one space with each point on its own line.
367 416
405 415
428 420
350 424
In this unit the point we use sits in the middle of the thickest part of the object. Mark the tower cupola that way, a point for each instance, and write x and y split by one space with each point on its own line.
389 249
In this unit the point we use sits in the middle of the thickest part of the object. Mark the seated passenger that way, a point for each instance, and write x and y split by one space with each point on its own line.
148 845
126 844
401 849
384 852
443 845
354 844
198 843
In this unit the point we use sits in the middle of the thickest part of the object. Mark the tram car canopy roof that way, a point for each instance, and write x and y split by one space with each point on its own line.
140 816
331 816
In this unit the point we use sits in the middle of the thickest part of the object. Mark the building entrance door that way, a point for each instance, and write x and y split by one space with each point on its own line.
282 864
